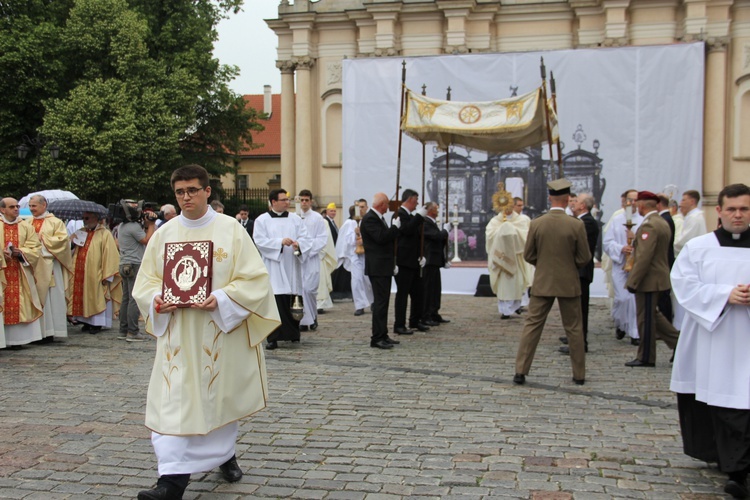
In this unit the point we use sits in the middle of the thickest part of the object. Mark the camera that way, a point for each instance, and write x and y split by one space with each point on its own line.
132 211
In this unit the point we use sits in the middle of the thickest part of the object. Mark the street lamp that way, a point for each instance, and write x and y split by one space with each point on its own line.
38 143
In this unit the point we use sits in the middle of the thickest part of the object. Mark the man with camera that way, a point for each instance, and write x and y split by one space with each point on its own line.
134 234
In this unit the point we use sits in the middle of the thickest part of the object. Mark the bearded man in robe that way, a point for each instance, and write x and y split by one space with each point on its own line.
53 269
95 288
209 370
22 251
711 373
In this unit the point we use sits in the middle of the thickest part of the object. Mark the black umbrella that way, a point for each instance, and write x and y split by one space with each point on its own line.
74 209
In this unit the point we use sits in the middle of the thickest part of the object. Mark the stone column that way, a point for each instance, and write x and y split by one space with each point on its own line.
287 124
715 120
303 149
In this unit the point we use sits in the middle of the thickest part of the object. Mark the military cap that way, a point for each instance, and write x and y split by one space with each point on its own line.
647 195
559 187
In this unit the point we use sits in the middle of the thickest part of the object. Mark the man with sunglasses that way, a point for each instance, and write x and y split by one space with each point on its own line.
209 371
22 249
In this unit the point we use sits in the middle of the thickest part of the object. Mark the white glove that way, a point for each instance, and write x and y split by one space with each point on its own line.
395 270
422 261
396 222
421 211
447 264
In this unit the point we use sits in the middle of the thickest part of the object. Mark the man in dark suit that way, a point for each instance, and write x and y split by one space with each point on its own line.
409 259
378 238
557 246
648 278
329 215
435 240
244 219
582 210
665 298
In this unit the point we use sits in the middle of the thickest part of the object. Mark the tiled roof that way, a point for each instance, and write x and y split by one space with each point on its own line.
271 136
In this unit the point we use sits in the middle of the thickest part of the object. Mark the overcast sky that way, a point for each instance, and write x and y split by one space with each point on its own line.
247 42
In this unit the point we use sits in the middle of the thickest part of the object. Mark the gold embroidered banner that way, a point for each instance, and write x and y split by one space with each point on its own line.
495 126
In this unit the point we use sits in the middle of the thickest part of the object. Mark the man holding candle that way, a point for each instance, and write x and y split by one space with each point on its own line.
617 244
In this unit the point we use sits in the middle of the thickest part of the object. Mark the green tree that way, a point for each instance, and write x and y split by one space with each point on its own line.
136 94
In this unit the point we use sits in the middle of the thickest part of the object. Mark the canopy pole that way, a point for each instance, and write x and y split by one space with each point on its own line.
400 133
554 107
447 169
421 238
546 110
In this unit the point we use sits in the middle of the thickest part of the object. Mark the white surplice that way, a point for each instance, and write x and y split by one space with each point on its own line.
317 232
623 308
284 268
346 247
711 359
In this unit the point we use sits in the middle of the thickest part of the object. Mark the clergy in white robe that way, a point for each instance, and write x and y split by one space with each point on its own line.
327 266
505 241
711 373
346 250
209 369
694 225
281 238
623 307
316 227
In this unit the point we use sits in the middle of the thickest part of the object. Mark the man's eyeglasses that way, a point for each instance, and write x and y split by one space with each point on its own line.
191 191
13 206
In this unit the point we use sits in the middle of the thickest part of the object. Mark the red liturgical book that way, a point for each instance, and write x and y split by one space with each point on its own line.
187 272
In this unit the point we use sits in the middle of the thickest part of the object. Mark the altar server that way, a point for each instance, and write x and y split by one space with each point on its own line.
315 226
351 255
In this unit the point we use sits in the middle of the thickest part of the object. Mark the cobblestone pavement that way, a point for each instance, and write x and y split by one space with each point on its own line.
436 417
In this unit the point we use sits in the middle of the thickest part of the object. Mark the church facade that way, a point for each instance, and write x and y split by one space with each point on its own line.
315 36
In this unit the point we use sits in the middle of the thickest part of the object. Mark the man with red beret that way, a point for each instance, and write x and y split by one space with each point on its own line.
649 277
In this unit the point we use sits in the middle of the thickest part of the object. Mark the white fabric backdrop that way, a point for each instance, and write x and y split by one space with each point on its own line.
643 104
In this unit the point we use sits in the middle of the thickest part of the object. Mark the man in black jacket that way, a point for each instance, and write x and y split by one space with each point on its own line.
665 298
435 240
378 238
409 259
582 210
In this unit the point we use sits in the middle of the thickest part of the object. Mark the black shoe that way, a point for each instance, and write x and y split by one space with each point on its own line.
272 345
314 326
619 334
359 312
440 319
429 322
579 381
321 311
402 331
45 340
158 493
564 340
381 344
231 470
635 342
519 379
95 329
303 328
519 310
564 349
671 360
638 363
421 327
504 316
392 342
736 489
86 327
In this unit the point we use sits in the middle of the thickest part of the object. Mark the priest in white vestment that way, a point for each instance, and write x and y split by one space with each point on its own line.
711 373
327 266
209 370
353 260
281 238
615 245
316 230
505 240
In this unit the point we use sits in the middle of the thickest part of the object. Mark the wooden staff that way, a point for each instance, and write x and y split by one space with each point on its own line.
554 106
546 110
400 133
